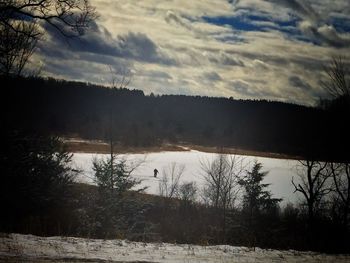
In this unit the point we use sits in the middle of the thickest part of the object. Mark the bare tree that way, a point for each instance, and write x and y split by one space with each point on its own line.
21 24
16 47
338 83
221 180
188 192
170 182
313 185
121 78
69 17
341 178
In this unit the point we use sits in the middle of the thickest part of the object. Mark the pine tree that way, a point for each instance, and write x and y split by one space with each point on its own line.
36 174
257 201
256 198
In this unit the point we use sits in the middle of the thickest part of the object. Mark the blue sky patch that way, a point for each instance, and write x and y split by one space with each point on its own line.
252 23
342 25
234 22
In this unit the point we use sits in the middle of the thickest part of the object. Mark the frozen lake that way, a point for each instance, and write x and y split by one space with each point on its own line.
280 171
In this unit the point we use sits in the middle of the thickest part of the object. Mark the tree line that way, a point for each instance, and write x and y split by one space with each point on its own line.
67 108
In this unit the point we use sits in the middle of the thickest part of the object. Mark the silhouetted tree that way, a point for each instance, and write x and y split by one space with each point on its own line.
337 84
21 27
113 174
188 193
72 15
341 178
17 44
36 173
256 199
169 183
115 205
221 180
313 177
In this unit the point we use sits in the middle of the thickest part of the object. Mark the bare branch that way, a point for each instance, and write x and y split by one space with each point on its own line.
337 84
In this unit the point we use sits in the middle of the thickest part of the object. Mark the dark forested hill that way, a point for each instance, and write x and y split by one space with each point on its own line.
85 110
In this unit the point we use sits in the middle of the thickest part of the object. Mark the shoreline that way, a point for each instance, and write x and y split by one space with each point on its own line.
100 147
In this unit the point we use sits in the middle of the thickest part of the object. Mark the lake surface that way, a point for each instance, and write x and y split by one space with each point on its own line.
280 171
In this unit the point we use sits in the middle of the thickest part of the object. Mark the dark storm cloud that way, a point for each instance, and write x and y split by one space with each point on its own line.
296 82
99 41
139 47
326 34
212 76
242 87
305 62
62 70
249 90
302 8
303 86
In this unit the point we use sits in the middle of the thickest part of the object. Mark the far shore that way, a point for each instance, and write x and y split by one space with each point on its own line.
95 146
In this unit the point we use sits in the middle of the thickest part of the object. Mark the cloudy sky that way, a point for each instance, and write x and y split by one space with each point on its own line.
256 49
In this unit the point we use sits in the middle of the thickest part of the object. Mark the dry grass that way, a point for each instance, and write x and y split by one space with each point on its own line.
86 146
100 147
230 150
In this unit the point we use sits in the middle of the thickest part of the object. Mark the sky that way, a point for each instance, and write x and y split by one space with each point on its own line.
245 49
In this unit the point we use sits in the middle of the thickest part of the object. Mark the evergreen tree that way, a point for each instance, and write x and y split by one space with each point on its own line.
114 175
119 212
256 198
35 178
258 203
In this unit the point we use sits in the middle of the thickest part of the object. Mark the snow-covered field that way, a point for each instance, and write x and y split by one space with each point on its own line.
29 248
280 171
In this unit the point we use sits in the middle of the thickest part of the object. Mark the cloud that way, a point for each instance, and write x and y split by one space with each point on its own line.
99 41
212 76
317 20
223 58
296 82
140 47
156 74
172 49
332 37
171 17
260 64
244 88
302 8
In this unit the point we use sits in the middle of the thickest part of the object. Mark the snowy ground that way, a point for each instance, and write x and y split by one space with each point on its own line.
280 171
29 248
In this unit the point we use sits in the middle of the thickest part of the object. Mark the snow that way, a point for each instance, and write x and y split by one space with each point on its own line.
280 170
26 248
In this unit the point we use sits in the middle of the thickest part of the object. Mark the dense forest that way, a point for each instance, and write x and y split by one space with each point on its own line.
76 109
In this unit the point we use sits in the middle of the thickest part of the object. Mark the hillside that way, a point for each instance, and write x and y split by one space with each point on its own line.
75 109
